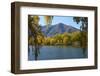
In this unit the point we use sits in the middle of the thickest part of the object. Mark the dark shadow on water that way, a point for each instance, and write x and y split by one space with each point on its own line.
85 52
35 51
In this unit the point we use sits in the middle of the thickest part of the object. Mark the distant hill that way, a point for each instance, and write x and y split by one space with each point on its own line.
58 29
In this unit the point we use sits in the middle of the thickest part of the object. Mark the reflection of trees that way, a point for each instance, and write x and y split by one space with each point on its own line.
83 29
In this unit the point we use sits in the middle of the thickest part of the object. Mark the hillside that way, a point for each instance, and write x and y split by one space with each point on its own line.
58 29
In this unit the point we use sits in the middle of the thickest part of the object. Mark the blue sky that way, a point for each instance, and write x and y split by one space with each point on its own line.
60 19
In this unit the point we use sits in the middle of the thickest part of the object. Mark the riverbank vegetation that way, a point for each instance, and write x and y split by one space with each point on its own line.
66 39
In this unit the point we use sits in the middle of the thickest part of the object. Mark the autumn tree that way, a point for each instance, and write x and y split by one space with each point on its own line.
35 33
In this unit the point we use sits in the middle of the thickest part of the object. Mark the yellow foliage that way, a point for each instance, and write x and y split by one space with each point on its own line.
65 40
36 20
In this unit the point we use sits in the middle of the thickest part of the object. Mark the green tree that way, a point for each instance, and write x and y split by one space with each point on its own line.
83 21
76 36
83 28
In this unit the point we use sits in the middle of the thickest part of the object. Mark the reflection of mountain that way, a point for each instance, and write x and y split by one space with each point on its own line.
58 29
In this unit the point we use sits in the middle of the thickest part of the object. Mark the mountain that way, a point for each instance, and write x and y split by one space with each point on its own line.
58 29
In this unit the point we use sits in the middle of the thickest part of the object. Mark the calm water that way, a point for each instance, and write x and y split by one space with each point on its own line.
54 52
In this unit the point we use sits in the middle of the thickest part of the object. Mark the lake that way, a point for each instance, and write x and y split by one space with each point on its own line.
57 52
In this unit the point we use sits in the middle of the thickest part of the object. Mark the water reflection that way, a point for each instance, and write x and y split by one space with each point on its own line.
56 52
34 51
